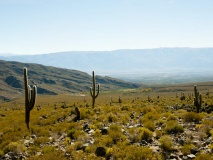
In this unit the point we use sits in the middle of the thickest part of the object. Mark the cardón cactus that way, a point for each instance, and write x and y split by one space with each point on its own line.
197 99
92 90
30 98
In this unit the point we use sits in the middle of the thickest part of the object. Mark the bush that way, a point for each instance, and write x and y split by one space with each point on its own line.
48 149
173 127
115 132
14 147
166 143
206 156
112 118
145 134
192 117
149 124
186 149
133 152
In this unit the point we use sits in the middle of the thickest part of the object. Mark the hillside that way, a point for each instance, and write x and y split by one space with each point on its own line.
50 80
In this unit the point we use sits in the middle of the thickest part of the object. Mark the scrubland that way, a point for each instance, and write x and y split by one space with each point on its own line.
143 124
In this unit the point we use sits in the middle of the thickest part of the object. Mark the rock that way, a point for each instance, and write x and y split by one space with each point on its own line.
86 126
181 142
100 151
104 130
191 156
33 136
85 145
131 127
194 150
173 156
91 131
3 115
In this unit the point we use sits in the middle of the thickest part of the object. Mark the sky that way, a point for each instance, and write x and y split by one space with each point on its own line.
49 26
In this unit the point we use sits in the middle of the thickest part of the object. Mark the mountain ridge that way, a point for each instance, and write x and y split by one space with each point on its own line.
125 60
51 80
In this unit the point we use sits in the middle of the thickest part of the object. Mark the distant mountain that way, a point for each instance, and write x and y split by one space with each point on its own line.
51 80
126 61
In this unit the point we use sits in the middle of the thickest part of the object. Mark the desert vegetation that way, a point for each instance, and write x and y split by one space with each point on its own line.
123 124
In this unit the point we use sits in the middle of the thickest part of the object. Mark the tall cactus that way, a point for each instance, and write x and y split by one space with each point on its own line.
197 99
93 89
30 98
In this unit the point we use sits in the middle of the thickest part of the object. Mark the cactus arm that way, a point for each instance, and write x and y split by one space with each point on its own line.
97 91
33 97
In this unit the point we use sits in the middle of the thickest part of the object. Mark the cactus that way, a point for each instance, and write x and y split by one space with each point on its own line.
30 98
93 89
77 114
197 99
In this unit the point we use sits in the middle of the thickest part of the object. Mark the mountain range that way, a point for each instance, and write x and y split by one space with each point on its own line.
159 65
125 61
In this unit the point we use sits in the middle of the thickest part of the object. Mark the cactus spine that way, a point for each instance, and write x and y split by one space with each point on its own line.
197 99
93 89
30 98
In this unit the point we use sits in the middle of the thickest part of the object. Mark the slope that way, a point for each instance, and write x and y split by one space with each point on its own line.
50 80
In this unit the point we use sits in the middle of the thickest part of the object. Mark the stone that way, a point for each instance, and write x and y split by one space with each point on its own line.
194 150
181 142
104 131
100 151
91 131
33 136
191 156
86 126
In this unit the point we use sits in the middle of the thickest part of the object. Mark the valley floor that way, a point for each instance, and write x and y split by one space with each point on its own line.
147 123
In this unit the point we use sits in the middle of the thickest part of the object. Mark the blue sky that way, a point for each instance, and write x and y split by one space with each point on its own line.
47 26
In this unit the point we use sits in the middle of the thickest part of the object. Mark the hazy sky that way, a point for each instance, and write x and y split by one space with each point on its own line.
46 26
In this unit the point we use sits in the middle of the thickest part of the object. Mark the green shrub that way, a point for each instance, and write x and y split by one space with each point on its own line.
166 143
145 134
158 133
186 149
133 152
73 133
149 124
112 118
115 132
14 147
48 149
206 156
1 153
192 117
173 127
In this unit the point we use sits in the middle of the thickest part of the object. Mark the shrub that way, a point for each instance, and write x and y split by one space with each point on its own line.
166 143
1 153
158 133
40 140
149 124
192 117
145 134
73 133
112 118
173 127
133 152
186 149
206 156
14 147
48 149
115 132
